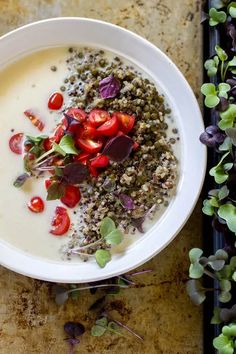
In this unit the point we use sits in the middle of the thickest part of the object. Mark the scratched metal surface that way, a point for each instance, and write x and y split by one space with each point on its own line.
30 321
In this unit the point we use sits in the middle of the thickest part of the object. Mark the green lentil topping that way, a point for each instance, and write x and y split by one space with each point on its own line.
149 175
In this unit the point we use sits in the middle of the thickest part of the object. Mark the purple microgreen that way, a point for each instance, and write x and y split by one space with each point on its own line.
72 342
60 293
228 315
21 180
98 304
138 223
139 273
109 87
231 30
122 325
74 329
119 148
126 201
124 280
75 173
223 105
55 191
212 136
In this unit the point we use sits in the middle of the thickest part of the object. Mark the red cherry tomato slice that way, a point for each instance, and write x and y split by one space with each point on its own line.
74 127
77 114
109 128
36 121
93 171
55 101
126 121
48 183
100 161
58 133
60 222
72 196
16 143
83 157
97 117
36 205
89 145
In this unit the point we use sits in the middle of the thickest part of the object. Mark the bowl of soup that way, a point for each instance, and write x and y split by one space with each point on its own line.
100 160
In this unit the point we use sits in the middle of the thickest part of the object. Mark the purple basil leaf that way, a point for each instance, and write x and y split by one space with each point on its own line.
21 180
109 87
74 329
212 136
75 173
126 201
138 223
119 148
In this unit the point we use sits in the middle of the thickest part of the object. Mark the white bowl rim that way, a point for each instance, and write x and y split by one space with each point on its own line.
29 265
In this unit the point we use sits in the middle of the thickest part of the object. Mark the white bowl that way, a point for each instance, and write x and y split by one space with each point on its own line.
77 31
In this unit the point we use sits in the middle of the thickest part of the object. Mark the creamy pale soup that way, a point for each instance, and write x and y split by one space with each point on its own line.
127 191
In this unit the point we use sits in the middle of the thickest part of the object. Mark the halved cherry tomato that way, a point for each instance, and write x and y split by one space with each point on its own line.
72 196
83 157
135 146
97 117
89 145
47 144
74 127
36 121
93 171
15 143
36 205
60 222
77 114
126 121
55 101
100 161
109 128
58 133
87 131
48 183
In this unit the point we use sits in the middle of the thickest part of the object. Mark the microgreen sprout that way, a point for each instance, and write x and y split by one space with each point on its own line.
225 343
73 330
211 65
216 17
213 94
110 234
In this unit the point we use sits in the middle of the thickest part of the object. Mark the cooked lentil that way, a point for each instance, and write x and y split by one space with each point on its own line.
149 176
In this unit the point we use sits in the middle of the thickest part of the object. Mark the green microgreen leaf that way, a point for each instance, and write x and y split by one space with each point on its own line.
216 316
208 89
211 101
216 17
102 257
214 202
219 172
221 53
228 213
226 145
231 133
195 254
228 117
207 208
100 327
55 191
107 226
196 291
232 9
218 4
196 271
115 237
211 65
223 88
223 344
232 62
